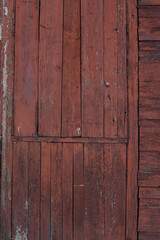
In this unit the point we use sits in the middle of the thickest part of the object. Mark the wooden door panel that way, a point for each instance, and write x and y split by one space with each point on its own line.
26 68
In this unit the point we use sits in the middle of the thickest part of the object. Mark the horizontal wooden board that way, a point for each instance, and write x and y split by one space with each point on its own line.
149 71
148 236
149 23
149 162
149 108
149 33
149 215
149 90
149 123
149 179
149 56
149 12
149 192
149 2
149 46
149 139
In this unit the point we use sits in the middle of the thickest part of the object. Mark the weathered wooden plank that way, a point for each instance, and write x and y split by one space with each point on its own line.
78 192
93 192
110 68
149 108
34 191
50 67
149 139
149 215
149 46
148 236
71 106
26 68
149 33
20 191
149 192
67 182
45 191
149 179
149 56
115 191
149 90
92 67
132 150
149 23
149 123
149 161
149 2
56 192
149 12
149 71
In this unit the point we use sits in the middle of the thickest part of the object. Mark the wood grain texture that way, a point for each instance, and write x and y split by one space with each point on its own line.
33 191
92 68
50 67
132 150
149 179
71 106
56 192
93 192
149 215
149 161
67 182
149 2
45 191
149 108
20 191
149 90
149 193
26 68
115 191
149 12
149 71
148 236
149 139
78 192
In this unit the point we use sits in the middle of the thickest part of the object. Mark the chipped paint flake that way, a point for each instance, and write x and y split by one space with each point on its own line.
21 234
78 131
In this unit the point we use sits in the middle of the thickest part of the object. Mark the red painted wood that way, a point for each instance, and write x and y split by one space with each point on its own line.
67 183
45 191
78 192
149 193
94 206
149 161
149 12
26 68
56 192
20 191
50 67
92 67
149 236
71 106
149 71
149 139
34 191
149 2
115 191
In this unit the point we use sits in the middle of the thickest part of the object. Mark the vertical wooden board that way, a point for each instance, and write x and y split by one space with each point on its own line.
34 191
121 69
132 147
110 68
78 192
93 192
56 192
71 106
20 191
45 191
67 173
26 67
115 191
92 67
50 67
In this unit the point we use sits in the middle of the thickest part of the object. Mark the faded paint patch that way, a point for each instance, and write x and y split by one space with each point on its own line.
0 32
78 131
21 234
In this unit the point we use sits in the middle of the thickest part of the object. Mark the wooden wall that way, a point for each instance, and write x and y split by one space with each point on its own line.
69 120
149 120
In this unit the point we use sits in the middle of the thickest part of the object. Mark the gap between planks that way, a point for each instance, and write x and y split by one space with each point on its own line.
69 140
